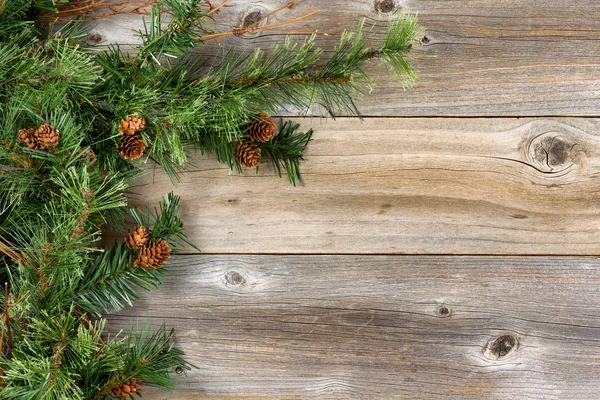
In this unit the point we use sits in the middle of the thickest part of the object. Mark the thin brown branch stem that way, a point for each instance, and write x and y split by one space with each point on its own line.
9 343
253 27
217 8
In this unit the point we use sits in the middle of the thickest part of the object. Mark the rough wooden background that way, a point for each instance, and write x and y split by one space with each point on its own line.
444 248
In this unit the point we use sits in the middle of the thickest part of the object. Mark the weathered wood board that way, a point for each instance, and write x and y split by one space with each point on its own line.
480 57
412 185
298 299
413 327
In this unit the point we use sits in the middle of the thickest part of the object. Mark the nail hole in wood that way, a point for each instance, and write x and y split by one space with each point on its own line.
386 6
179 370
233 278
501 346
425 40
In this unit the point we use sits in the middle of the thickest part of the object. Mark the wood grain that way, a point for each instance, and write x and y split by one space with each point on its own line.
406 186
413 327
480 58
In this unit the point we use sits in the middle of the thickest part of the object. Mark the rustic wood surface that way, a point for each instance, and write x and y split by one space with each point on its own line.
480 57
412 185
413 327
410 180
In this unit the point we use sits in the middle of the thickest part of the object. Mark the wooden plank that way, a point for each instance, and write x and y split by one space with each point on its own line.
410 186
413 327
481 58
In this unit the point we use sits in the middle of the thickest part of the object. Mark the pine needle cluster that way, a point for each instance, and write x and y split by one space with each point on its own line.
75 130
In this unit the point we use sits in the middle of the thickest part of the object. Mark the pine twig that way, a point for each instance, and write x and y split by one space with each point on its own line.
255 26
213 10
9 343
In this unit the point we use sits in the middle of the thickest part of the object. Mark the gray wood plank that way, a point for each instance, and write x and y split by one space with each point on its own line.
406 186
480 58
413 327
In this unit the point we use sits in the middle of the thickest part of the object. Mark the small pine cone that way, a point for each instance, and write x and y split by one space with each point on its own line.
247 154
27 138
132 146
47 137
153 255
262 129
127 389
131 125
138 237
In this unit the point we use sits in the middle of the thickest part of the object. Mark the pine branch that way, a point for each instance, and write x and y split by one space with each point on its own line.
112 282
286 150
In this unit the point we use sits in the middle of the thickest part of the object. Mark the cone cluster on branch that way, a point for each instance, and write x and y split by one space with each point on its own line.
261 129
152 254
127 389
132 145
45 137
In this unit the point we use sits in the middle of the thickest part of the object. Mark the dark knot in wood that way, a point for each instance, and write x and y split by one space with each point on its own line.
94 38
555 152
235 279
501 346
444 311
386 6
254 17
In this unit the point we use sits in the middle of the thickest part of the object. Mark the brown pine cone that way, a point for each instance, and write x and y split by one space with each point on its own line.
132 146
262 129
153 255
47 137
131 125
27 138
127 389
137 238
247 154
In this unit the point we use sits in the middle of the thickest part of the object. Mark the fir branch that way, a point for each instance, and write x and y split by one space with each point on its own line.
285 151
111 282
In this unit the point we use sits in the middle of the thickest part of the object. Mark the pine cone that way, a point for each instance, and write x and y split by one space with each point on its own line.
153 255
247 154
27 137
262 128
131 125
138 237
127 389
47 137
132 146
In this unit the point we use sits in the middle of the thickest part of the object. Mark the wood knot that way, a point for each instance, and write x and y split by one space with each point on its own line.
250 21
553 151
94 38
386 6
425 40
444 311
234 279
500 347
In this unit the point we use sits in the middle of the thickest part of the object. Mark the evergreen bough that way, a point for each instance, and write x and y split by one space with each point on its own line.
67 119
